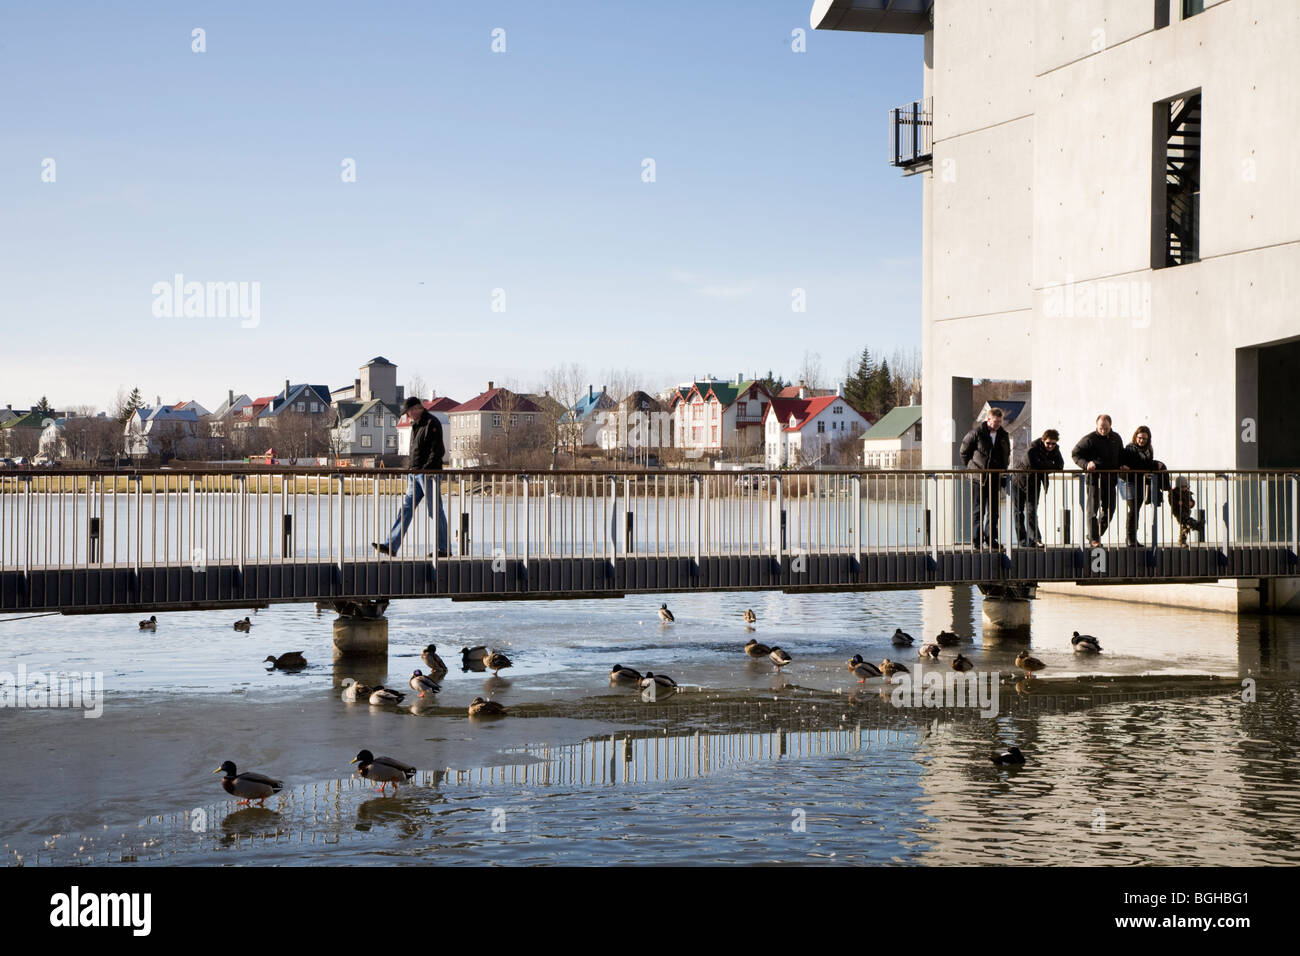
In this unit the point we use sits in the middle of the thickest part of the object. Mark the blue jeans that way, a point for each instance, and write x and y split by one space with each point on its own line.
415 492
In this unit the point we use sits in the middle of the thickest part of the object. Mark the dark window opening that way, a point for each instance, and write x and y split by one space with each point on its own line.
1162 13
1176 186
1192 7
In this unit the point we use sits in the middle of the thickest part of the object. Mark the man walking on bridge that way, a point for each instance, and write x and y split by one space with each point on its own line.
986 448
426 455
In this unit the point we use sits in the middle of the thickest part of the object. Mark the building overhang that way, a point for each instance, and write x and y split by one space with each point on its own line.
873 16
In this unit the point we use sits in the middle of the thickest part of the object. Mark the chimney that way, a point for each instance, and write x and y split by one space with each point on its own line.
739 378
356 389
230 401
591 393
911 398
286 388
803 390
839 389
489 385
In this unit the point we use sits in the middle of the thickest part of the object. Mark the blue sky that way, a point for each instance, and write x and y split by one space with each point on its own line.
475 171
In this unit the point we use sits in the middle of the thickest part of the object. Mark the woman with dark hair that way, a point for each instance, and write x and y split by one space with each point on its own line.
1139 488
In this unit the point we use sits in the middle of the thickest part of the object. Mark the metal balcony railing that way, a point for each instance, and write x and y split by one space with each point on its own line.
911 134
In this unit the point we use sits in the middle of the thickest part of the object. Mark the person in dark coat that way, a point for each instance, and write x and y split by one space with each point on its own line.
1100 453
1140 487
986 448
427 451
1033 464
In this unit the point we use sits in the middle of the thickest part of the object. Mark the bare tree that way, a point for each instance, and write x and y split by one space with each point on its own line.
416 386
567 383
811 371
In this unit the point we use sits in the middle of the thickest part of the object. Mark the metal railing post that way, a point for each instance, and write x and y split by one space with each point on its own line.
699 522
1295 516
855 530
527 521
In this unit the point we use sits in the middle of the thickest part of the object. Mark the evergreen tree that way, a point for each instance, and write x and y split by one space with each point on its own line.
134 400
43 406
880 392
773 383
857 389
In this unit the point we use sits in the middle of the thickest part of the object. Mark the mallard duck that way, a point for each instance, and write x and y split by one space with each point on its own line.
496 662
1011 755
750 616
150 625
383 770
779 657
756 650
901 639
863 669
1028 664
353 692
382 695
430 657
929 650
960 663
287 661
666 615
1085 644
946 639
423 684
624 675
244 625
658 680
889 668
247 785
485 708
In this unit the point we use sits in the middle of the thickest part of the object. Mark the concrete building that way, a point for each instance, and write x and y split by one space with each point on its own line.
1110 212
377 379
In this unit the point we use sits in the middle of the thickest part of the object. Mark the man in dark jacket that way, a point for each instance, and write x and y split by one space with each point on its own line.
1034 463
1100 453
986 448
426 455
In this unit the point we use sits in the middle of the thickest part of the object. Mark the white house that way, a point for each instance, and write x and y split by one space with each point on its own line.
162 431
800 431
894 441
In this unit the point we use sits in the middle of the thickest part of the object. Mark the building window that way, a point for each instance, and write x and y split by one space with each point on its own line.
1176 182
837 410
821 428
391 441
496 421
298 406
315 406
365 441
365 421
742 409
1192 7
514 420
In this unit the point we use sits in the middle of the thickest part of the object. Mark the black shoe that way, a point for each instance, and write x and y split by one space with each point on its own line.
382 549
444 553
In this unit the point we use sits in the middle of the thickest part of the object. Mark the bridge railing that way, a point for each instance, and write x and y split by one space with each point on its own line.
132 519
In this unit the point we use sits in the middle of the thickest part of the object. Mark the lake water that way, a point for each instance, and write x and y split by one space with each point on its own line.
1147 753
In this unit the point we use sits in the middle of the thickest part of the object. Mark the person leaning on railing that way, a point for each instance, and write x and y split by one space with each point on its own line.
986 448
427 451
1100 454
1146 485
1033 464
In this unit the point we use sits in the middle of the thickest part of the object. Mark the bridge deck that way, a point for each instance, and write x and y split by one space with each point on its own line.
181 587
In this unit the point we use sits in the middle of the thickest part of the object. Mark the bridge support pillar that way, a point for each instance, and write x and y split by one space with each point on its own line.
1006 610
360 630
